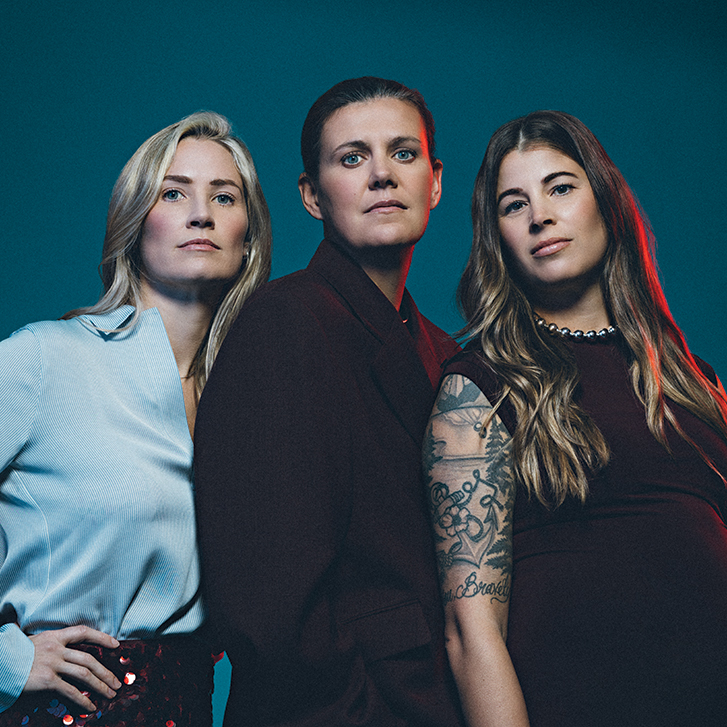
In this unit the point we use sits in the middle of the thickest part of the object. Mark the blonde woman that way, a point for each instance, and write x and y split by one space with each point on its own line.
576 458
99 575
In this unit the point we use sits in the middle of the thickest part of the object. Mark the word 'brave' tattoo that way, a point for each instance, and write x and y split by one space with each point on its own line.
471 491
499 591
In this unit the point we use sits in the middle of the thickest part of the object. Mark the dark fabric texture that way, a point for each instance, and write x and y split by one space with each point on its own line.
619 607
165 683
318 563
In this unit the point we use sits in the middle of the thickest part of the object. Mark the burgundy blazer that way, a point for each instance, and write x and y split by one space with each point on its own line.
317 558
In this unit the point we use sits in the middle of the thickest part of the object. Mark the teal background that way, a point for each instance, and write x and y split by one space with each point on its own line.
84 84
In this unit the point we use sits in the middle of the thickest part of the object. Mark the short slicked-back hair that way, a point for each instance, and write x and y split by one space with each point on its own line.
356 90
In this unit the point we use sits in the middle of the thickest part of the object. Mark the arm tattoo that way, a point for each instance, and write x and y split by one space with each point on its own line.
471 492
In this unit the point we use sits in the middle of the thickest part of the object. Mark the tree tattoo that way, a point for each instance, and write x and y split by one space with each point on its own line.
470 491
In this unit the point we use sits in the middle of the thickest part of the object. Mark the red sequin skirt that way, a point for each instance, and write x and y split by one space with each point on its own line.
165 683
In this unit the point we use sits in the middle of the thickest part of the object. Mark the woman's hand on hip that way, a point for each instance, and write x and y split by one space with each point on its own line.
54 662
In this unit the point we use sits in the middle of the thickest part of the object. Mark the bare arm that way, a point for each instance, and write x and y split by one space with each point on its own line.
471 493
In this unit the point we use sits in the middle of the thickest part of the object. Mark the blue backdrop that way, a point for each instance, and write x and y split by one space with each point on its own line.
84 84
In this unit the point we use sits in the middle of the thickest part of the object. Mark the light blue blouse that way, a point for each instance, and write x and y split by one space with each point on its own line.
96 510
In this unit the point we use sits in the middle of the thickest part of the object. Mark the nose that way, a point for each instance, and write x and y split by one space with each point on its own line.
383 173
201 215
541 215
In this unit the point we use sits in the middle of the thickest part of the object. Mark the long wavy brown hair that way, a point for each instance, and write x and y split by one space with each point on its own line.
554 435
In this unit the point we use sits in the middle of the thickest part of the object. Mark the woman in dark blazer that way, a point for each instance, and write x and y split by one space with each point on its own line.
317 557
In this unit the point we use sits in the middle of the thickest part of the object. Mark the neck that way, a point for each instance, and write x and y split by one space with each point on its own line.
586 312
186 321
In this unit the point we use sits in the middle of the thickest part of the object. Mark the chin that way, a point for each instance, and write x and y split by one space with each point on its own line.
394 239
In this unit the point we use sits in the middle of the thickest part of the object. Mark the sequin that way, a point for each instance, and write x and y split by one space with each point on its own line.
172 685
124 660
56 708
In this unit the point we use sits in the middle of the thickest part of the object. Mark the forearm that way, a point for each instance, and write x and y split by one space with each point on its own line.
488 686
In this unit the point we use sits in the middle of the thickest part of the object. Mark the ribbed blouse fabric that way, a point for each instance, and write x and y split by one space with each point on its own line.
96 501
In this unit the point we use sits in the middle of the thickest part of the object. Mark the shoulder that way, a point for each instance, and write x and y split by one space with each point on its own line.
83 338
285 332
41 337
29 359
294 307
21 356
306 287
471 363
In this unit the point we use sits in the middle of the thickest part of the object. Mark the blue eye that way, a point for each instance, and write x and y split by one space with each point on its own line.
404 155
225 199
171 195
351 159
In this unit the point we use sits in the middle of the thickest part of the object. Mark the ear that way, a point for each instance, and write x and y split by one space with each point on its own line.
436 184
309 196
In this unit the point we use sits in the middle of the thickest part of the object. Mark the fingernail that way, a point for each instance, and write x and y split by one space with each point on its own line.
116 642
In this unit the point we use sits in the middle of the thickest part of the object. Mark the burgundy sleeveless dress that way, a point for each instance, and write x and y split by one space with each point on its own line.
618 611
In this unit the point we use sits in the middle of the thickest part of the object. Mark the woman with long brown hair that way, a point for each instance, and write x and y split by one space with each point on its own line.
576 457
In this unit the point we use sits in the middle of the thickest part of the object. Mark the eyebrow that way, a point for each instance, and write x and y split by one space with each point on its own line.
361 144
552 176
548 178
405 140
213 183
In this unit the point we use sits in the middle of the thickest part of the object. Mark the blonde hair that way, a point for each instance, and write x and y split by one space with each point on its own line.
554 435
137 190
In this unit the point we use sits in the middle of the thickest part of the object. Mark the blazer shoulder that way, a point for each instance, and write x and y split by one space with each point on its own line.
304 290
287 316
445 345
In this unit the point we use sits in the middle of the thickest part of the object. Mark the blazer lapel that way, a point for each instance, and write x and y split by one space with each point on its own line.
400 375
405 368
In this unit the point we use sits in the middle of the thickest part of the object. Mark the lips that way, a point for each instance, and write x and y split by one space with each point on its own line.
386 204
200 243
549 246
